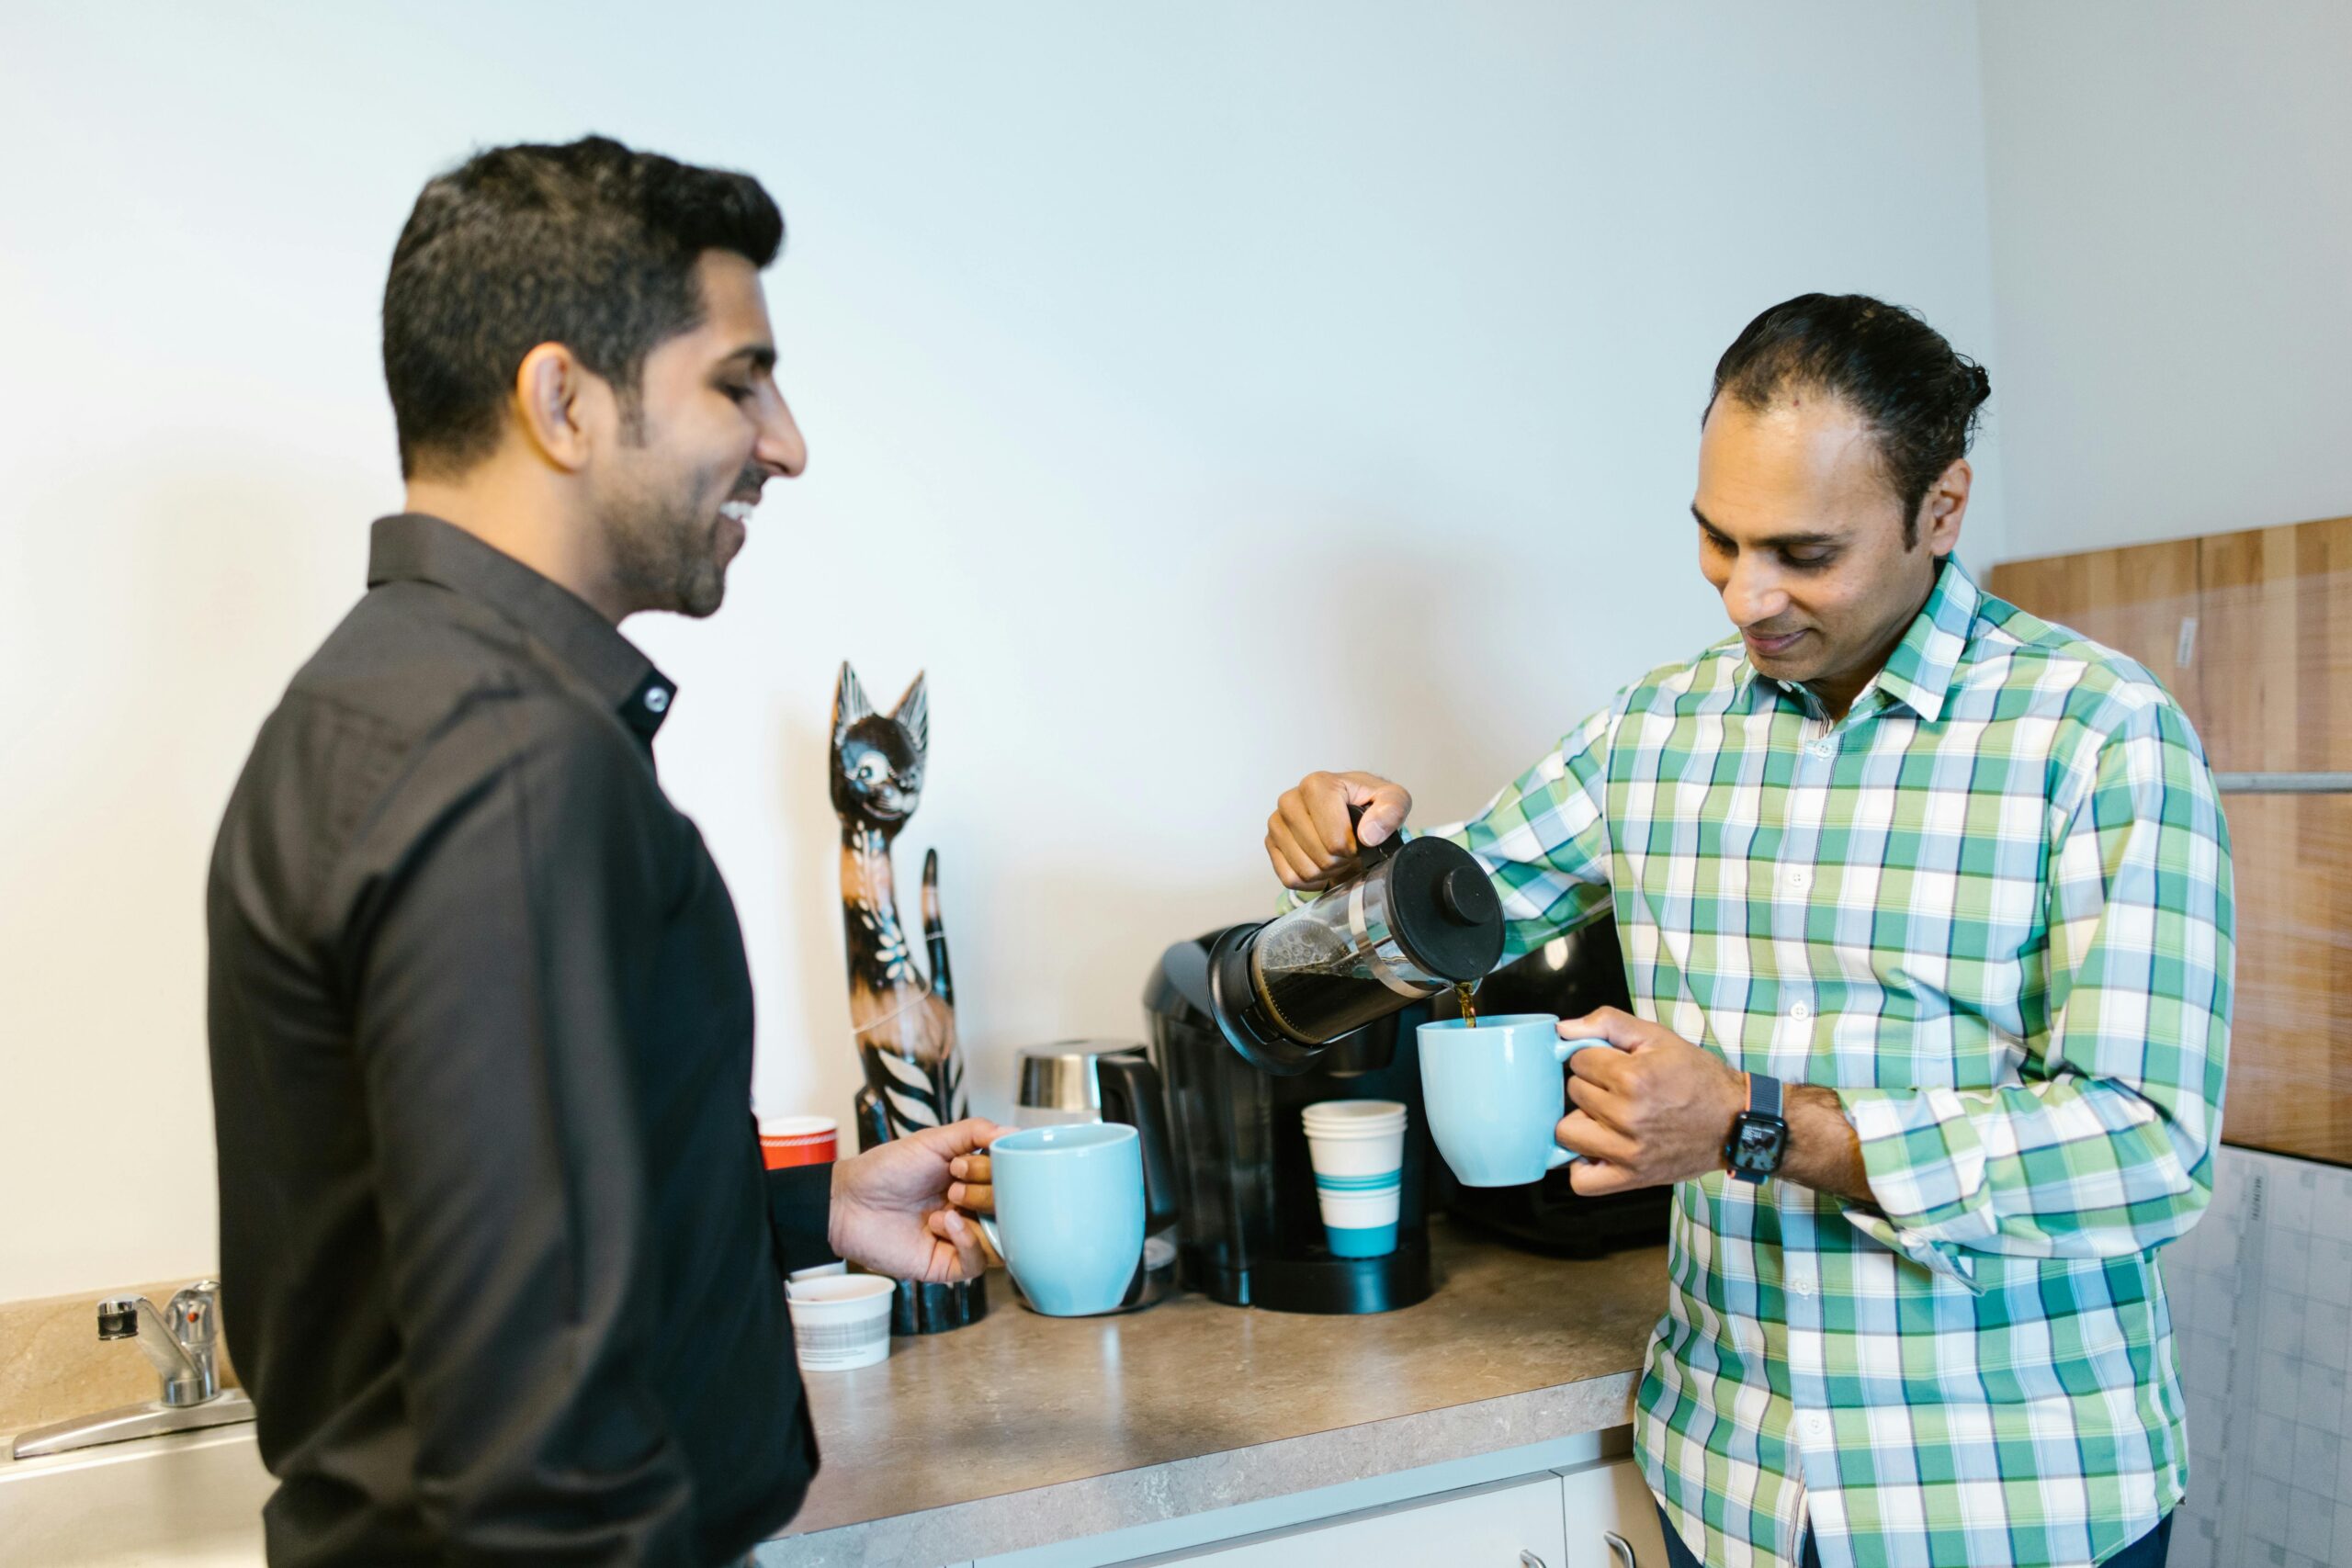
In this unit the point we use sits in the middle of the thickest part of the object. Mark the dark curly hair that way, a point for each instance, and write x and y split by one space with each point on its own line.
588 244
1920 398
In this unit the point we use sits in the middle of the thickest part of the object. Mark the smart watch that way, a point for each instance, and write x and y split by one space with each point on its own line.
1759 1136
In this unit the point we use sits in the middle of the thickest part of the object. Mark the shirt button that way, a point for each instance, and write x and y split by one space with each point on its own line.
1799 1011
656 698
1802 1284
1800 878
1816 1425
1821 748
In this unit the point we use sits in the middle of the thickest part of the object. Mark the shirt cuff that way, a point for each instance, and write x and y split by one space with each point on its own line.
800 1211
1925 1169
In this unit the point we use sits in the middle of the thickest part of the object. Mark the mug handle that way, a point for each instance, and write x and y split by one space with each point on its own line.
989 1229
1561 1051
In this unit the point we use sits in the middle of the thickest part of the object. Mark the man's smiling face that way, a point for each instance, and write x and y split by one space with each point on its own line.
1802 535
678 487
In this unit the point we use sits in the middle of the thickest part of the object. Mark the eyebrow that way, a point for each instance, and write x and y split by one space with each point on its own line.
760 354
1777 541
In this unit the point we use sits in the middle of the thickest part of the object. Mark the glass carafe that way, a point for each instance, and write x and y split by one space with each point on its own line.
1411 920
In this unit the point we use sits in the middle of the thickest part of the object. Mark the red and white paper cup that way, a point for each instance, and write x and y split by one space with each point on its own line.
797 1140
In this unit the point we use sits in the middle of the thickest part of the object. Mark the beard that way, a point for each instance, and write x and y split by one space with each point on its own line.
664 547
667 558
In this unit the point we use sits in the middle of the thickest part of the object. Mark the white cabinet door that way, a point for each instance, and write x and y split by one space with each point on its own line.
1512 1524
1612 1519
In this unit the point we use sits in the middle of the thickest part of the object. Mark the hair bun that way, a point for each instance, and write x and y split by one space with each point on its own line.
1979 383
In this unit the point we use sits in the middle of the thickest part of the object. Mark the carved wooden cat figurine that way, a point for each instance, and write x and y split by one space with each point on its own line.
903 1022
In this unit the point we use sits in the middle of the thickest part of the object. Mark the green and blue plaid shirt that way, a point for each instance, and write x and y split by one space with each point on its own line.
1991 908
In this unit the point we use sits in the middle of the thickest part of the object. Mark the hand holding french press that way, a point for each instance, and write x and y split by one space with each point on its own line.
1323 822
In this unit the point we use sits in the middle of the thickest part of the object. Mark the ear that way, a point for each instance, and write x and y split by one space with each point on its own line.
913 714
549 385
849 702
1944 507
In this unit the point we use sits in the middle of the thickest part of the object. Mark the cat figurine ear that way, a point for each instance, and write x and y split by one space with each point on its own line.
913 715
849 702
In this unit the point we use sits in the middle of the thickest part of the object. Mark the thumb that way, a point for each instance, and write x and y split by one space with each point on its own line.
1616 1025
1385 805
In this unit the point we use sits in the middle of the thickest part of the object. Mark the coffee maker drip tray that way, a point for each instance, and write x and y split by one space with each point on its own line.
1332 1285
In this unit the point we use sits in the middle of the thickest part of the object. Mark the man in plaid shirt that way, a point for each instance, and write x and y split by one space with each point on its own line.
1948 888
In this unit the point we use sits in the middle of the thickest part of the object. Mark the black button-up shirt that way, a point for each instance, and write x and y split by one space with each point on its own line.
500 1265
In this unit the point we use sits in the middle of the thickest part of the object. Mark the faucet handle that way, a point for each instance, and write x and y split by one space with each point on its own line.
195 1314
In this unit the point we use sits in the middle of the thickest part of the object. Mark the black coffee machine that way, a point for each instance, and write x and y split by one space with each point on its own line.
1249 1232
1254 1023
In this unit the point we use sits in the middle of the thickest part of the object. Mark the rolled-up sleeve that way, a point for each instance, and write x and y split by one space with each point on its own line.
2107 1148
498 968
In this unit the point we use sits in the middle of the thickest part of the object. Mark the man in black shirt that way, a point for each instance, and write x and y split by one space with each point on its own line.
502 1268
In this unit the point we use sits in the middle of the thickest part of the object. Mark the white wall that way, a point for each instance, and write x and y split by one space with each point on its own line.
2171 201
1204 394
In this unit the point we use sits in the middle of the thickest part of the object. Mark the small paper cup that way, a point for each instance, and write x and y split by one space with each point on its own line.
1360 1224
839 1320
787 1141
1352 1138
1357 1147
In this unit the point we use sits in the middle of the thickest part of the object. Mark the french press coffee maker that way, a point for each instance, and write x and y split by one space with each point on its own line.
1412 919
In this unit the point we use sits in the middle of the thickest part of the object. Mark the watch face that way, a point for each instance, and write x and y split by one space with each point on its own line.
1756 1146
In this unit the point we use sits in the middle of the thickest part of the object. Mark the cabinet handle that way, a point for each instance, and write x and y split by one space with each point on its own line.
1620 1548
1528 1559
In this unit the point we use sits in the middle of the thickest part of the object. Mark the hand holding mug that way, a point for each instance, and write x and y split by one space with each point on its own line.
1656 1110
893 1211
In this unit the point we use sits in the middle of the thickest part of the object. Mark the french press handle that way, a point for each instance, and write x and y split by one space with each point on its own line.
1367 854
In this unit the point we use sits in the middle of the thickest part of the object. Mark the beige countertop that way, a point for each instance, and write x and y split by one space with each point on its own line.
1023 1431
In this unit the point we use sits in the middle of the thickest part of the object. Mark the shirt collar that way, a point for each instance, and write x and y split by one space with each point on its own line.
1919 672
414 548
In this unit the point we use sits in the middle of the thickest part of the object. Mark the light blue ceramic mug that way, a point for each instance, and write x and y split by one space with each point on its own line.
1495 1096
1068 1214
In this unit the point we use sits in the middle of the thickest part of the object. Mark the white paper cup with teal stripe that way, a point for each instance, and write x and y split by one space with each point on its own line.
1357 1147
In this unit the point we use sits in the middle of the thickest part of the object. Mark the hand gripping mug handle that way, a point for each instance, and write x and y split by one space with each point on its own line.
1561 1051
988 1228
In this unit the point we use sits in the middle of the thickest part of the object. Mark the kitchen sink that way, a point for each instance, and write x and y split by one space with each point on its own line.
190 1500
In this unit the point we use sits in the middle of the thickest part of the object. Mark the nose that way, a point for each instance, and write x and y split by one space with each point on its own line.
780 447
1753 594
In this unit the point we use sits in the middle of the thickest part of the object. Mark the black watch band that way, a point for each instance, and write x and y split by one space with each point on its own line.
1760 1135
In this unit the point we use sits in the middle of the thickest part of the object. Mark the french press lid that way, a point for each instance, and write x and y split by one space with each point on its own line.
1444 910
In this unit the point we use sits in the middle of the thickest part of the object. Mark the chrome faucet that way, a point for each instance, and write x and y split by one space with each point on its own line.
183 1343
180 1340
